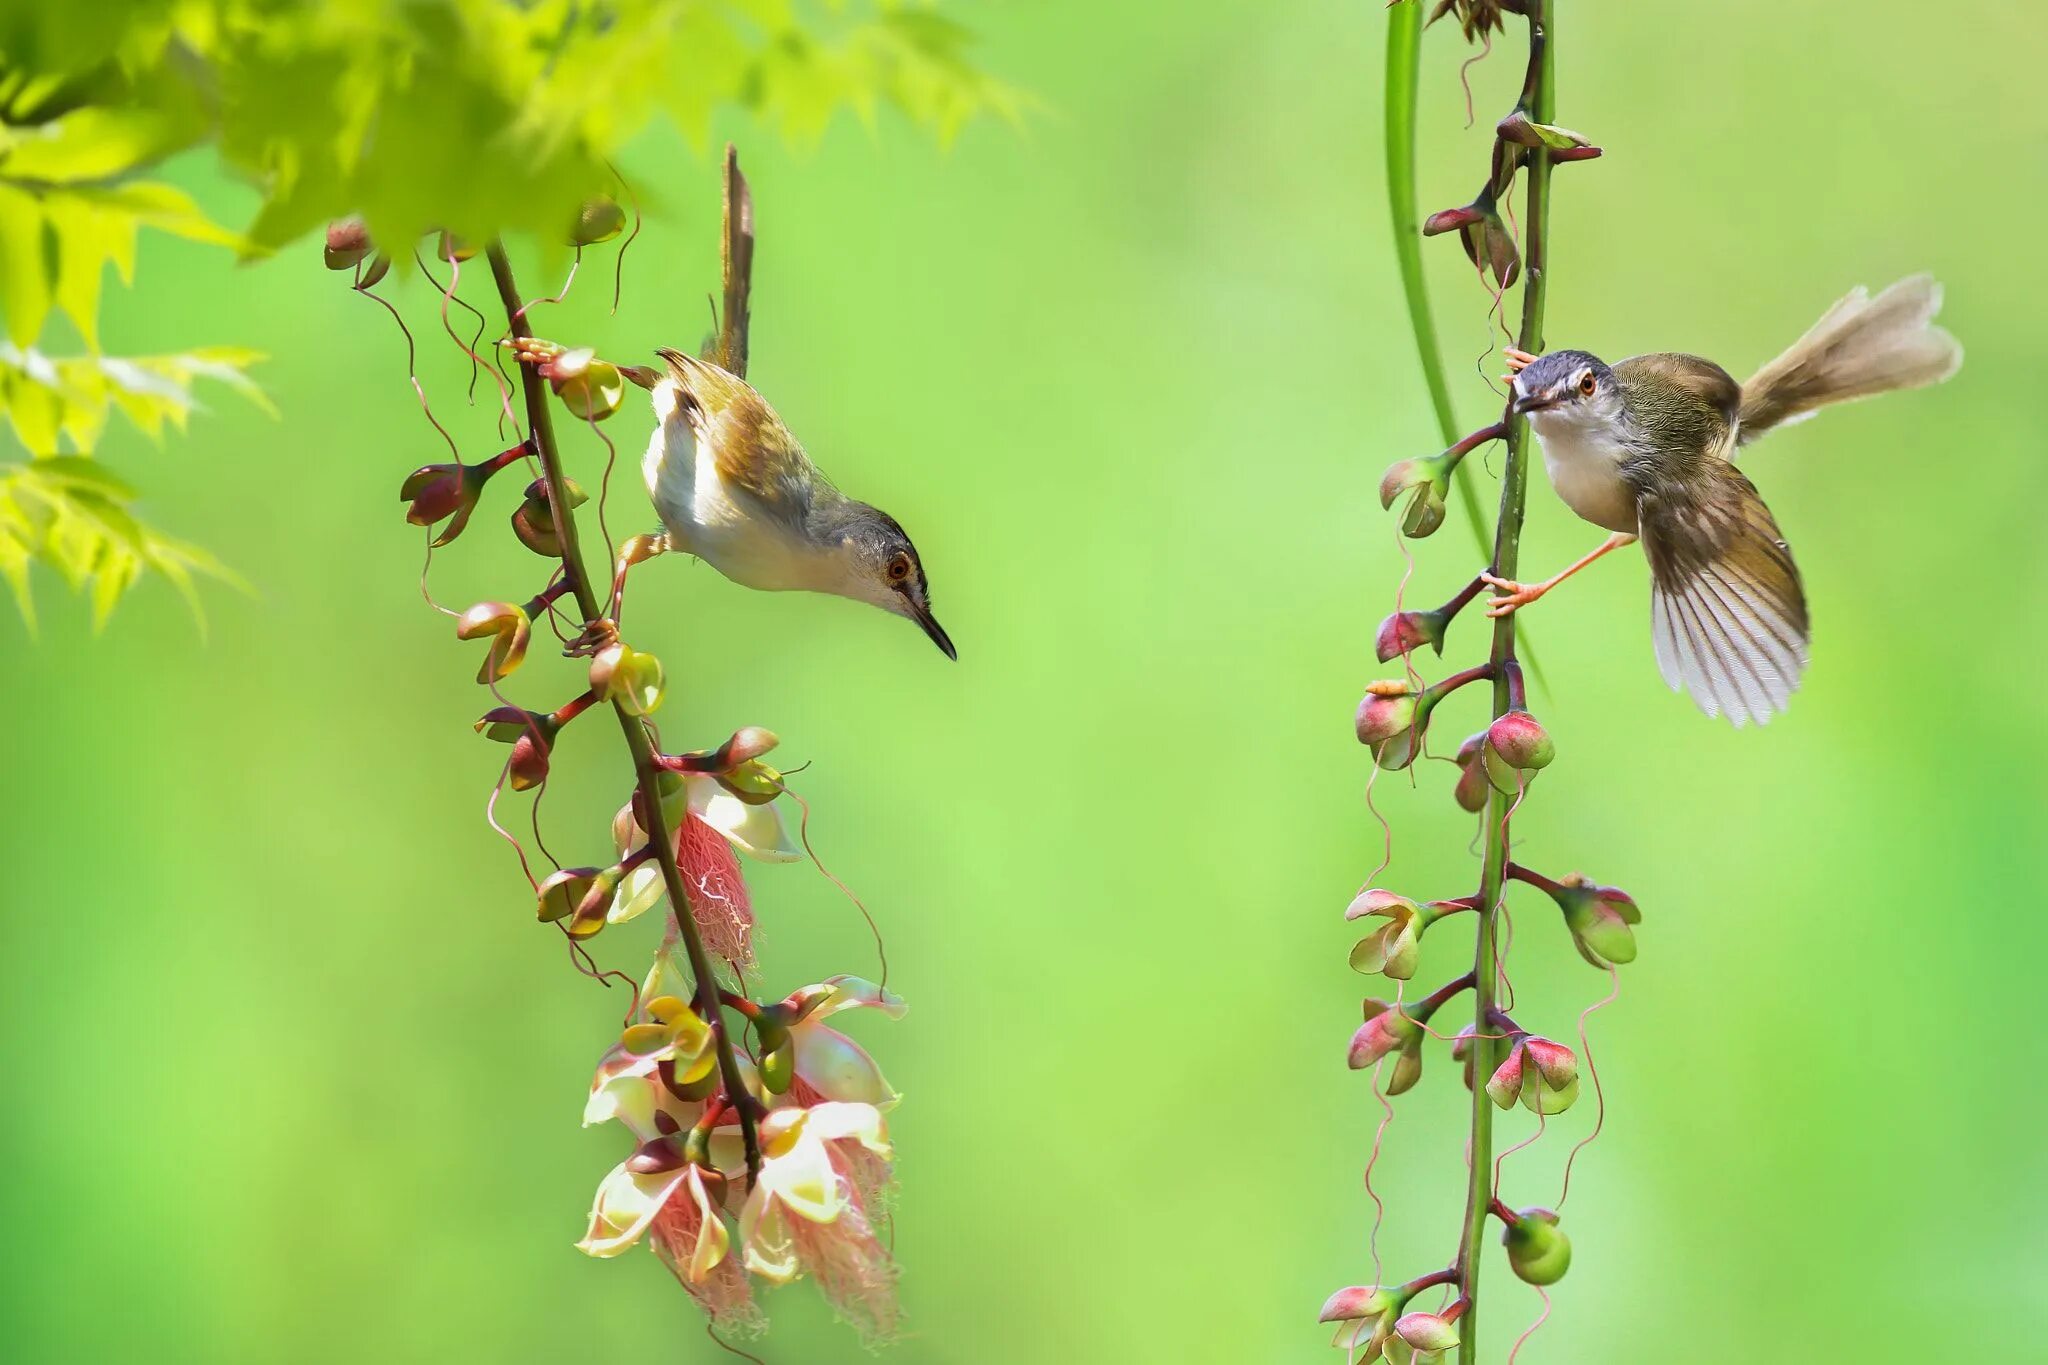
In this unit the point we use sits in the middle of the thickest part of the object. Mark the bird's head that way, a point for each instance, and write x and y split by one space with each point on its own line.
1568 389
876 563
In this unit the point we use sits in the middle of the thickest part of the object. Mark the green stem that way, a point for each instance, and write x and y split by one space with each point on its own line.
1506 552
1404 62
540 424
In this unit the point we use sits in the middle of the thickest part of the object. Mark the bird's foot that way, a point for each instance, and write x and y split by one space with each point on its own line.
1518 359
533 350
1514 596
596 637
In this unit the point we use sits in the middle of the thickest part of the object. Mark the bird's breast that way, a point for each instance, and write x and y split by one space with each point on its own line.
1584 465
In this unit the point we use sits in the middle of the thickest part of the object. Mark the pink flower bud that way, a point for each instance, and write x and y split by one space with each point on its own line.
1357 1301
1545 1082
1394 948
1407 631
348 242
1426 1332
1516 749
1473 783
1388 709
1451 220
1388 1031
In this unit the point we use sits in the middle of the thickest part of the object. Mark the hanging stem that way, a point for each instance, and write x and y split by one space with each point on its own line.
540 423
1506 552
1404 63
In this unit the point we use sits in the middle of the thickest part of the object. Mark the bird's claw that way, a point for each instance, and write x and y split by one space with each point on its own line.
1514 596
1518 359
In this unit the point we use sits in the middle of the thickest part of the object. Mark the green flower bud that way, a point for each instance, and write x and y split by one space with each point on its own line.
1537 1252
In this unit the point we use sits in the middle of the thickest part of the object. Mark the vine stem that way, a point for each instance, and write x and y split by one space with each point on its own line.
1404 63
1499 804
540 422
1403 81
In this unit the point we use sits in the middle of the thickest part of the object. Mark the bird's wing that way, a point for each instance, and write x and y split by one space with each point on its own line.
1726 606
752 450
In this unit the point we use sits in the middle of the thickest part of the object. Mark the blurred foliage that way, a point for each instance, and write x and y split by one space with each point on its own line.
469 116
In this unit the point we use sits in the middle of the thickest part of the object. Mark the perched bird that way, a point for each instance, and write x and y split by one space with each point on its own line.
733 487
1644 448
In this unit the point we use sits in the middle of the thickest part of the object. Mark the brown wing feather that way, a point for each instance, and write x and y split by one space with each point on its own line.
1726 606
751 448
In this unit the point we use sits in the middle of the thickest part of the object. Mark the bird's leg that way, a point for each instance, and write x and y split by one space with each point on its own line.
1517 595
1518 360
633 550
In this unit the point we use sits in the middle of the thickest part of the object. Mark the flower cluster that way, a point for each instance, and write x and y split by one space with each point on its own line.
819 1201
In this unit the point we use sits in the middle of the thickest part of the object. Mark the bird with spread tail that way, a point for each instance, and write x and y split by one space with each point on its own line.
734 488
1645 448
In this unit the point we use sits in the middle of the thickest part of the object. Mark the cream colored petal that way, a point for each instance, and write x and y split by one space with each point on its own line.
767 1249
640 892
757 831
839 1068
626 1204
712 1239
835 1121
853 992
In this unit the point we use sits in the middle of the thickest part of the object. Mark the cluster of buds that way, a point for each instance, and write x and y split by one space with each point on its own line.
818 1201
349 245
1376 1322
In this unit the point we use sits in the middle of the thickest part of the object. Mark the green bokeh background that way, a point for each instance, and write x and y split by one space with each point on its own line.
294 1077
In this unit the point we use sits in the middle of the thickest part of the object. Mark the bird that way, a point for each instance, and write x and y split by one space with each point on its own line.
1645 448
733 487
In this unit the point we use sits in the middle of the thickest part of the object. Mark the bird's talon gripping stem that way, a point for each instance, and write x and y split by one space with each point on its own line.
1518 359
596 637
1514 595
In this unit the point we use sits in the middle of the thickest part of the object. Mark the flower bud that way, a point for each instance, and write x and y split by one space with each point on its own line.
348 243
1523 131
453 248
590 388
1388 1031
1537 1252
1533 1080
1426 482
1426 1332
598 220
1517 748
654 1157
1600 919
1395 948
1473 783
1488 243
564 890
1388 709
533 521
531 735
509 630
628 677
1406 631
1356 1301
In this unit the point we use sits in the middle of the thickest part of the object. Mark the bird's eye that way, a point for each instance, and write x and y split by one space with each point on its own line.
1588 386
899 568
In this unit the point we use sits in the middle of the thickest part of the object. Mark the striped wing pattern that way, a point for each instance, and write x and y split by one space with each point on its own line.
1727 610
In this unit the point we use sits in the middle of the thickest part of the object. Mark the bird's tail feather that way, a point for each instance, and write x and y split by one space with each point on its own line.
1861 346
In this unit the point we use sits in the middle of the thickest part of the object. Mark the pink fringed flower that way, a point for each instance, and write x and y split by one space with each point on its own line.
677 1210
806 1215
710 823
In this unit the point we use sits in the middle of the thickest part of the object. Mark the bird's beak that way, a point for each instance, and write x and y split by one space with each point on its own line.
1526 403
930 625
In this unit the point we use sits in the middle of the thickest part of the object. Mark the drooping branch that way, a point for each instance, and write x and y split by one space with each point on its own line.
540 425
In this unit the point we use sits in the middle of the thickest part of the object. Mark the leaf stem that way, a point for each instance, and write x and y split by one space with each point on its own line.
540 422
1506 552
